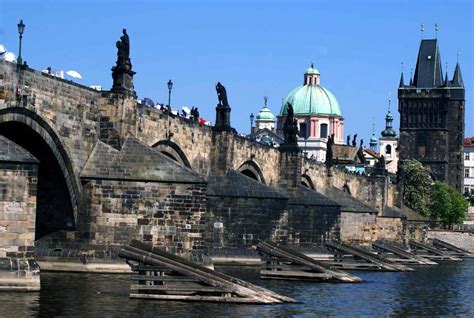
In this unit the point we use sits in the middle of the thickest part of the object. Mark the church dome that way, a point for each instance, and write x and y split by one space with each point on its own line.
311 98
265 114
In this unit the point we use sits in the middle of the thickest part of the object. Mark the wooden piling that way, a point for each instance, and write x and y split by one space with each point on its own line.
162 275
287 264
368 261
405 256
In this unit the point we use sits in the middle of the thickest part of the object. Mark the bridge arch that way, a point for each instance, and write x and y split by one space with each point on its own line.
307 182
173 151
252 169
59 190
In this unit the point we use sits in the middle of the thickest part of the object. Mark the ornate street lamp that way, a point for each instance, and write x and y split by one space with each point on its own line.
251 125
21 29
170 87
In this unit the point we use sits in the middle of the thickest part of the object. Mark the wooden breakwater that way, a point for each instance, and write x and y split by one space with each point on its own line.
351 257
284 263
430 251
165 276
400 254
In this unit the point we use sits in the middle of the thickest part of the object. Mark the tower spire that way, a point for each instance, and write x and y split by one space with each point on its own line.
388 131
373 140
402 82
446 82
265 100
411 77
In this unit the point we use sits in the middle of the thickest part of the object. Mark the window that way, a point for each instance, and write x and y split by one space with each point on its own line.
324 131
466 173
388 151
466 156
304 130
422 146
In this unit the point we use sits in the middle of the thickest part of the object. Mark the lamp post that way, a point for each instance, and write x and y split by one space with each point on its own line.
251 124
170 87
21 29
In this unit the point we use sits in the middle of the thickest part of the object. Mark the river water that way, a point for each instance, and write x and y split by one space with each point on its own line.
443 290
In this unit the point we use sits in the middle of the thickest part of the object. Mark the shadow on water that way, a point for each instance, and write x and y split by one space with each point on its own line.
443 290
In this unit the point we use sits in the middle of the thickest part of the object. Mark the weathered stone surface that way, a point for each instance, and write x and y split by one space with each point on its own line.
18 180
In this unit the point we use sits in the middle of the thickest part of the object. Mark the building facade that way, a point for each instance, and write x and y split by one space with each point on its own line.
469 165
318 114
432 117
389 143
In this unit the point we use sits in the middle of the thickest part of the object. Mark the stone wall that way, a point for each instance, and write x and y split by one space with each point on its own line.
18 185
357 227
464 240
167 214
389 228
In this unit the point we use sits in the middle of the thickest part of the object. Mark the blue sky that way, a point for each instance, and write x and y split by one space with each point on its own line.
255 48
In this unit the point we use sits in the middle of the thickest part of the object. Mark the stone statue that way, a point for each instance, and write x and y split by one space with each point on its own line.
123 51
348 141
221 95
361 143
329 153
290 127
354 141
122 73
379 167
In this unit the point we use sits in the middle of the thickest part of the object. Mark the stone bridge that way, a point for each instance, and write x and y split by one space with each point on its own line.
111 169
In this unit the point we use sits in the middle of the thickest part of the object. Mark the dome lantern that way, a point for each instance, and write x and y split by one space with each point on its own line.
312 76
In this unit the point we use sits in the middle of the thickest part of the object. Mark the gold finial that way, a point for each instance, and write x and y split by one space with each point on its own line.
422 29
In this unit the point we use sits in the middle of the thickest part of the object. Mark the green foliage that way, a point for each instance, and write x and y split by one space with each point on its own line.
447 204
416 186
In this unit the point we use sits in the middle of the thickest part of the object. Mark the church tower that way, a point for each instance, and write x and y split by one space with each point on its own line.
389 142
432 117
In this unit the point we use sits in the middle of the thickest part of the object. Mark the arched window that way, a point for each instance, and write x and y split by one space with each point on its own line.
388 150
324 131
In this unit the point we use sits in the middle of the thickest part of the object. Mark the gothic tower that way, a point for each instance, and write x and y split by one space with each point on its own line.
432 117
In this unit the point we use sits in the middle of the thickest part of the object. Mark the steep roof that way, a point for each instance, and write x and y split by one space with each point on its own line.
457 77
348 202
305 196
428 66
10 151
235 184
137 162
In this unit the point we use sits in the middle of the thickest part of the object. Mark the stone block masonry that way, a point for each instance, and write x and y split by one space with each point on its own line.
18 182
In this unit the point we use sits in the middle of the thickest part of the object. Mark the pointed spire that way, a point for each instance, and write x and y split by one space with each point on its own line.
446 81
265 99
402 82
411 77
457 77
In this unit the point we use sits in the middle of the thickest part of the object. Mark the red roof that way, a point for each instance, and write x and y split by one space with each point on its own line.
469 142
372 152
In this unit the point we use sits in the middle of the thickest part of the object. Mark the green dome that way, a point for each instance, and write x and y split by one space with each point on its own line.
265 114
312 71
311 100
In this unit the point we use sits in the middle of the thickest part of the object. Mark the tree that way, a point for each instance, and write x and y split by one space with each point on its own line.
416 186
447 204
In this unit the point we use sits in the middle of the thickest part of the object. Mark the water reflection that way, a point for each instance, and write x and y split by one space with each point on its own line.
443 290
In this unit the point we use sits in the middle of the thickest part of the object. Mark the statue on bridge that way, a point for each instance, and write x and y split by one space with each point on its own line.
221 95
222 110
122 73
329 153
354 141
290 127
